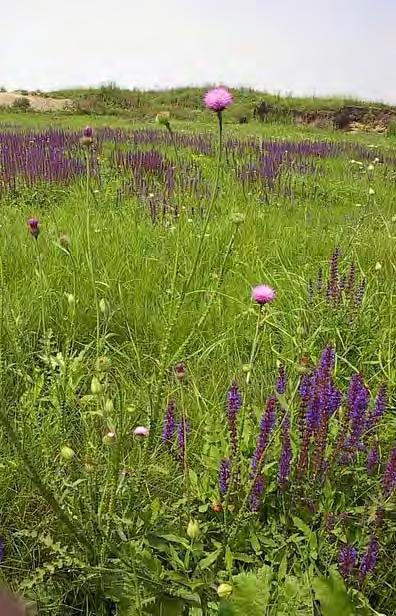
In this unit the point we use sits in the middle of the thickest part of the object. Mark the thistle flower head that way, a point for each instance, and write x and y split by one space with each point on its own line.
88 131
34 226
218 99
263 294
141 431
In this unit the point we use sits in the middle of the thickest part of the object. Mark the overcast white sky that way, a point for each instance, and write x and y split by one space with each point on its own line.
298 46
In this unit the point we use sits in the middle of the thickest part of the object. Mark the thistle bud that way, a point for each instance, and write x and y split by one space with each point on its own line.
96 386
224 591
71 300
163 118
102 364
193 530
109 407
67 453
64 241
103 306
109 438
34 227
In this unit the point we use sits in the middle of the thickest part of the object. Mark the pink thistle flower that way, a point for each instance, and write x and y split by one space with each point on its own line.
34 227
218 99
88 131
141 431
263 294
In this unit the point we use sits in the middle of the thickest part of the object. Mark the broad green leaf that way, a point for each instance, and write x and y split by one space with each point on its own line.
209 559
332 596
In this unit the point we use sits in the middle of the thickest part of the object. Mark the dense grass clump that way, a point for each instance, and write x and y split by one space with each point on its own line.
172 444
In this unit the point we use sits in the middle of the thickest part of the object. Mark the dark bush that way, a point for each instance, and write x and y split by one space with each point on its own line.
21 104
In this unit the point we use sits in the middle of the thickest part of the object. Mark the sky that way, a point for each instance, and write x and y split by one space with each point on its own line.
300 47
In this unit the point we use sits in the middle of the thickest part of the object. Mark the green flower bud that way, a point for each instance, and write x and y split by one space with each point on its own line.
71 300
224 591
109 406
193 530
163 118
67 453
238 218
96 386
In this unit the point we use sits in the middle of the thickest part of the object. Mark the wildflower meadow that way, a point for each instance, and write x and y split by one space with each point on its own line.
197 367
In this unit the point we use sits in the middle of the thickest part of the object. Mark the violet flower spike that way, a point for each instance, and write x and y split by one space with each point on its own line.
372 460
389 478
267 424
286 454
377 412
257 493
369 559
347 559
169 428
282 381
234 404
224 475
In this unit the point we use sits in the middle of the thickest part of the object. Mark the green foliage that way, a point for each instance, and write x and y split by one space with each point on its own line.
100 313
21 104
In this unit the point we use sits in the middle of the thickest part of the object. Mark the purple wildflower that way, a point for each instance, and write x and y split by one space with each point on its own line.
286 454
351 282
389 478
372 460
369 559
224 475
88 131
377 412
347 558
257 492
282 380
34 227
183 428
234 403
360 293
169 423
267 424
330 521
218 99
358 401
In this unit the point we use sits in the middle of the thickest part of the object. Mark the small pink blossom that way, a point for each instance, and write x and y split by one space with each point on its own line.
218 99
263 294
141 431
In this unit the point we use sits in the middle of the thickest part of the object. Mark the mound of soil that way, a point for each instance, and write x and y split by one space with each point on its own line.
37 102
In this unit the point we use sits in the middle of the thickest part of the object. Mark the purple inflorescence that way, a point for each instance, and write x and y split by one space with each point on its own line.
389 478
234 403
333 290
267 424
369 559
372 460
282 380
257 492
347 559
224 475
358 401
183 428
377 412
169 428
286 454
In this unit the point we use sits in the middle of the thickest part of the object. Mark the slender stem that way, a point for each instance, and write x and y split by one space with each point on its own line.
254 346
89 250
187 282
42 279
179 167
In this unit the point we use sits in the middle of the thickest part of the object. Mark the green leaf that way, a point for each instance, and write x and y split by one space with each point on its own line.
229 559
209 559
332 596
251 592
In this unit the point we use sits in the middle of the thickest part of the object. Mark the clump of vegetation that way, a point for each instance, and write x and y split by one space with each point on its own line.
188 430
21 103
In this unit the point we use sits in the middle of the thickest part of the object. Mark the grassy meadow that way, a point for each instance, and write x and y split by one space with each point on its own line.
133 307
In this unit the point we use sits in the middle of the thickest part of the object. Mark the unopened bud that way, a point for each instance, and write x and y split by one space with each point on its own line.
193 529
67 453
224 591
96 386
